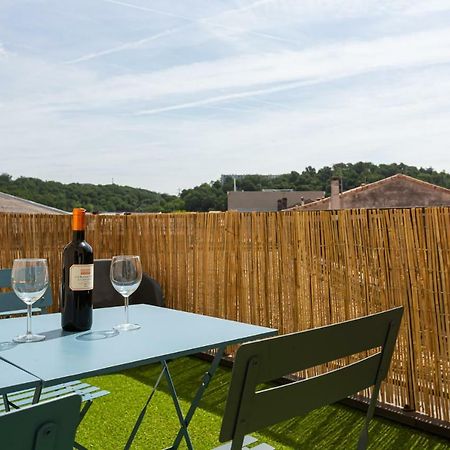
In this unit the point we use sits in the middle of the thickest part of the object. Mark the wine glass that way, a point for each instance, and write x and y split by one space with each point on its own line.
29 280
126 276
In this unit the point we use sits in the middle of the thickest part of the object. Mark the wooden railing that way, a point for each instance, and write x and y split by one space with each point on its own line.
291 271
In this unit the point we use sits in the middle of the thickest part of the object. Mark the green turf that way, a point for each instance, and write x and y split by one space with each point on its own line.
108 423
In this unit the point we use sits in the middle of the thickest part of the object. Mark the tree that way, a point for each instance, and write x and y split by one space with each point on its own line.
207 196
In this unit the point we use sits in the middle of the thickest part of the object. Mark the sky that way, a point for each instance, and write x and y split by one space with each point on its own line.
166 95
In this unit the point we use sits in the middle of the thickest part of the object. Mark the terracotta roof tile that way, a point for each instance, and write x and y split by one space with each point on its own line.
374 185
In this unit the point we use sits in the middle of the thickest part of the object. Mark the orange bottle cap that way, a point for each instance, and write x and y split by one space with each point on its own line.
78 219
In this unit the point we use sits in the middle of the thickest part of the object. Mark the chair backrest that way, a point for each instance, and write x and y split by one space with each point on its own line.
9 300
258 362
104 294
45 426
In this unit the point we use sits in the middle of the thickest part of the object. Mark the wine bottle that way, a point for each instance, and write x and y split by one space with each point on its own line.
77 278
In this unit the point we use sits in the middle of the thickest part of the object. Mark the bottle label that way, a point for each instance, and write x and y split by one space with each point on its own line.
81 277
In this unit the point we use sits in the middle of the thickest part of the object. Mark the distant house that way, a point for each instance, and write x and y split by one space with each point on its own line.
269 200
397 191
11 204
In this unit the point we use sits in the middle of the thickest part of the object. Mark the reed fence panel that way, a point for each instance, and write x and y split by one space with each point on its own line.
289 270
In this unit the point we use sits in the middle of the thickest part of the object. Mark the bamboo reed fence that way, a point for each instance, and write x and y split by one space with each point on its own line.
289 270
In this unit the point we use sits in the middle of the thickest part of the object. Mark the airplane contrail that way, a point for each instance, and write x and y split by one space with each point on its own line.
221 98
126 46
204 20
145 8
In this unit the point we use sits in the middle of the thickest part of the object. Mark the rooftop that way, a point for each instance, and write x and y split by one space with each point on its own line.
369 187
12 204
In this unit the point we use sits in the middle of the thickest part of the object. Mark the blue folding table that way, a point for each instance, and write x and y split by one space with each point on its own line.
165 334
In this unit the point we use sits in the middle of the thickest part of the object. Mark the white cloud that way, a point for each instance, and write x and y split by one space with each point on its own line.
266 86
248 75
429 6
382 122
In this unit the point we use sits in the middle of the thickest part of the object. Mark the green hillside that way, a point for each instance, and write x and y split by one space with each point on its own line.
93 197
207 196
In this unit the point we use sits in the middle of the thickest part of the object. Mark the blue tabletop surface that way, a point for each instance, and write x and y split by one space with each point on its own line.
164 334
15 379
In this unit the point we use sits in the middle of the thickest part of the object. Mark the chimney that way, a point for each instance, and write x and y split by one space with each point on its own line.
281 204
335 200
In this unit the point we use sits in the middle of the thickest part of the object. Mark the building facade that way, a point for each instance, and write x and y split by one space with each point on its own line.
270 200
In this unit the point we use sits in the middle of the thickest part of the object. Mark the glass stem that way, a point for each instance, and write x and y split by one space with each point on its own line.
29 319
126 309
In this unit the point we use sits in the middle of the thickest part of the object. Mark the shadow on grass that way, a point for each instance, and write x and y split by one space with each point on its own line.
330 427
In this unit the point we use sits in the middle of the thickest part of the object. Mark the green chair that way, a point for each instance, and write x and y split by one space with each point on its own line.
45 426
104 295
11 305
248 409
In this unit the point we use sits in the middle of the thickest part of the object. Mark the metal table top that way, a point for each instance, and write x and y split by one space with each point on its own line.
14 379
164 334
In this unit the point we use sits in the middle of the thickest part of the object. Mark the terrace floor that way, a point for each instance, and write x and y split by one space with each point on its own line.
110 420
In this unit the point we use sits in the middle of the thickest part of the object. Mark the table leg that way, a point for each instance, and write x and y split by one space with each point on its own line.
184 420
183 428
195 402
142 414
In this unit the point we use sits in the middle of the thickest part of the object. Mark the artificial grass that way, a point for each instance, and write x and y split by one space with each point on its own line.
111 418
